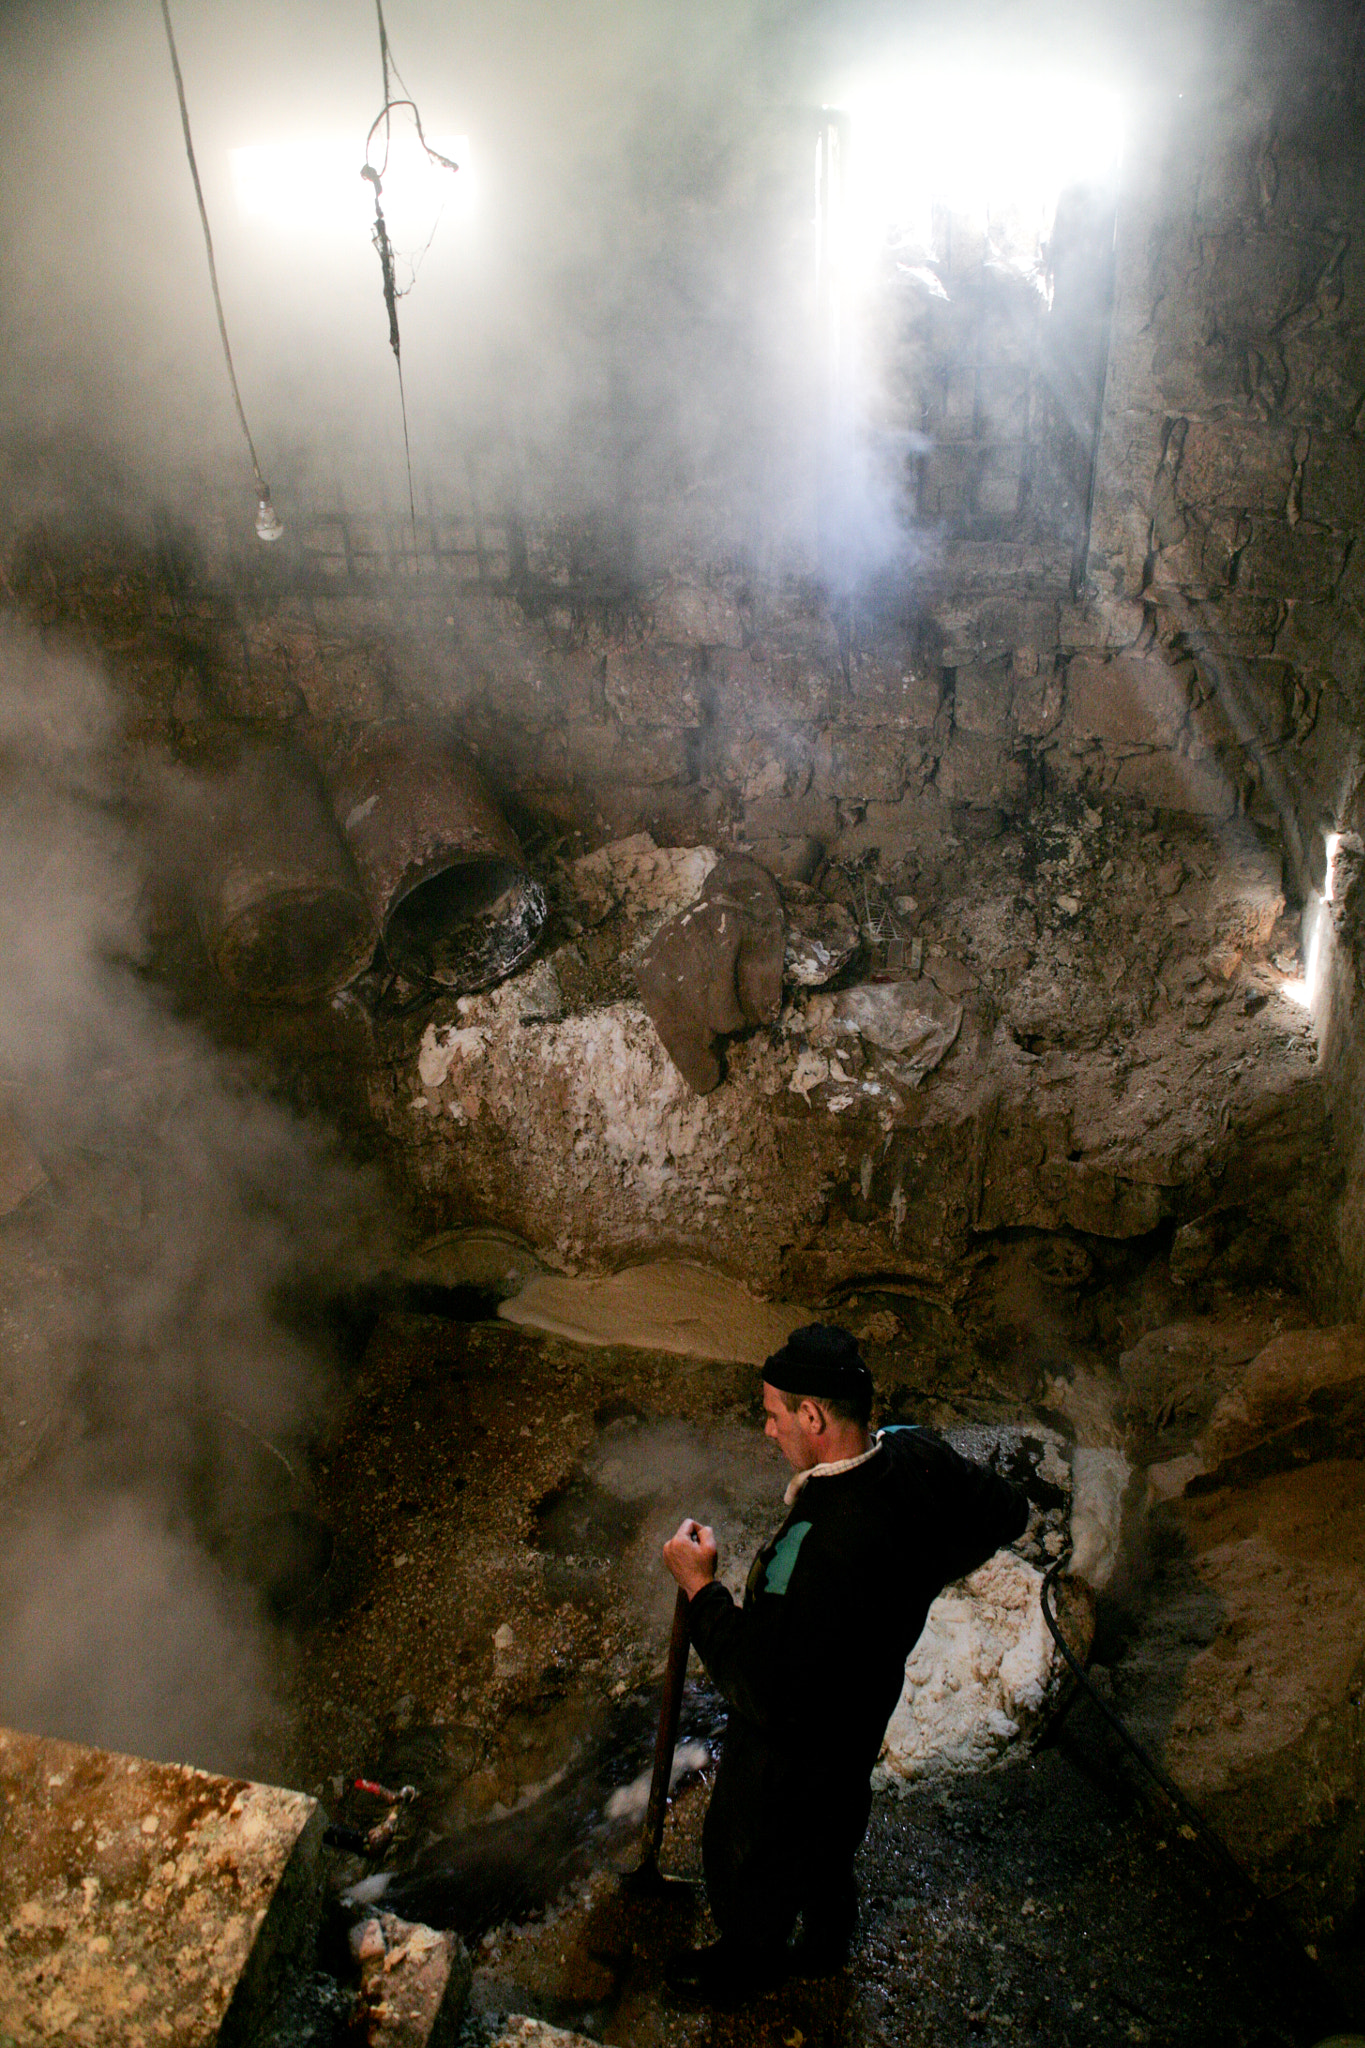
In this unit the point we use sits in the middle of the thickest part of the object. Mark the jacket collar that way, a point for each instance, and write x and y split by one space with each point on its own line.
831 1471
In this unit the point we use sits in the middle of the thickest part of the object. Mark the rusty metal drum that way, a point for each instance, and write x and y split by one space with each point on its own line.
281 908
442 870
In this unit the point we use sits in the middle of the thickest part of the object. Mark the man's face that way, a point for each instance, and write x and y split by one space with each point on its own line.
787 1430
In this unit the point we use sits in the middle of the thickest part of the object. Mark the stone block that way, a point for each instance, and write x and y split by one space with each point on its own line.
988 629
714 968
790 859
815 816
651 686
343 681
518 2030
981 773
982 698
566 682
1266 691
870 762
1266 1712
1210 726
603 753
675 813
1334 482
983 1672
1290 561
1038 703
1256 280
141 1899
414 1984
912 828
1250 623
1132 700
889 686
698 614
738 682
766 763
1170 782
1236 464
1200 564
1101 622
1173 1375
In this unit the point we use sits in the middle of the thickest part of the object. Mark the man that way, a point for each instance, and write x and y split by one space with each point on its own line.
813 1662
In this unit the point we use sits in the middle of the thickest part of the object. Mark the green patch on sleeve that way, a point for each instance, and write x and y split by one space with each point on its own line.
782 1563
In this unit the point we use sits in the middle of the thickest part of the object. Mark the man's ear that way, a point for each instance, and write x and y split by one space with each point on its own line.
813 1417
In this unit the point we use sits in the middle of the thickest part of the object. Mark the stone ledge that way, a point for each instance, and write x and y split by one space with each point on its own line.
144 1902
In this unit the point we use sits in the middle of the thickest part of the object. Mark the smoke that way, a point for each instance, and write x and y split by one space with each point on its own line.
146 1382
621 317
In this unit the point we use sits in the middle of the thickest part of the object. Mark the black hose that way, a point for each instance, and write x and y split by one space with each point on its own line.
1185 1806
1328 2012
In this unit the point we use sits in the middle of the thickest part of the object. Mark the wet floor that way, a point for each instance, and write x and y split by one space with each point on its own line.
492 1630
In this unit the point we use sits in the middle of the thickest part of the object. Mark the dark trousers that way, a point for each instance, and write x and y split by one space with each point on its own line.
780 1837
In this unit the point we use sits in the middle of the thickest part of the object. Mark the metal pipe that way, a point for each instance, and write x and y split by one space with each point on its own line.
280 905
442 871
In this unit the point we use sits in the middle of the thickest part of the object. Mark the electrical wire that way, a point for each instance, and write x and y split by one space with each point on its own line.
262 487
379 233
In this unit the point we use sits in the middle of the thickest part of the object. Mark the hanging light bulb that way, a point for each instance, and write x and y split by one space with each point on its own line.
269 525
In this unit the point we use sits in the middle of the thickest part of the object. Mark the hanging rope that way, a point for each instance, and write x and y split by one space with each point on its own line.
379 233
267 524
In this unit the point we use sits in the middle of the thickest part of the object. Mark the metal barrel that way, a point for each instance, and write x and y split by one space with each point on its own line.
281 908
441 868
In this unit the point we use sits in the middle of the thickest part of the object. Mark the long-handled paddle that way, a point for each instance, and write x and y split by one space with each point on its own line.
648 1877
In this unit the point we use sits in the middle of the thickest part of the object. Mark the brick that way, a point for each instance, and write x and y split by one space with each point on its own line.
975 634
1103 622
891 686
601 753
771 818
1133 700
1290 561
1169 782
874 761
981 773
1038 704
651 685
1334 481
982 698
698 614
1236 464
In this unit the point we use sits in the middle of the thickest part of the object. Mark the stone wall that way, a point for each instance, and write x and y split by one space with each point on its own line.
1229 499
1200 684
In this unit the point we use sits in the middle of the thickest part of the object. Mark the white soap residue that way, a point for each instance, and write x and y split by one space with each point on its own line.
978 1677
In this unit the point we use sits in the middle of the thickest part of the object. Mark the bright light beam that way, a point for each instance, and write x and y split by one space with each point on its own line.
995 150
314 183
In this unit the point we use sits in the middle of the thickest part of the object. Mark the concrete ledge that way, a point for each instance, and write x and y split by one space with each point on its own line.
144 1902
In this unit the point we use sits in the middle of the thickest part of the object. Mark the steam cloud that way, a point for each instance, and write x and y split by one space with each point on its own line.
143 1368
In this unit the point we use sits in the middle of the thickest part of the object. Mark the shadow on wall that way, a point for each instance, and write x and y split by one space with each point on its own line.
172 1205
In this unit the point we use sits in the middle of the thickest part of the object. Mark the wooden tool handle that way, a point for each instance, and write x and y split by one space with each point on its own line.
666 1742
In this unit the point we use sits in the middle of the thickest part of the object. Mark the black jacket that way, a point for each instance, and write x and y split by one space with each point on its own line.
814 1660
